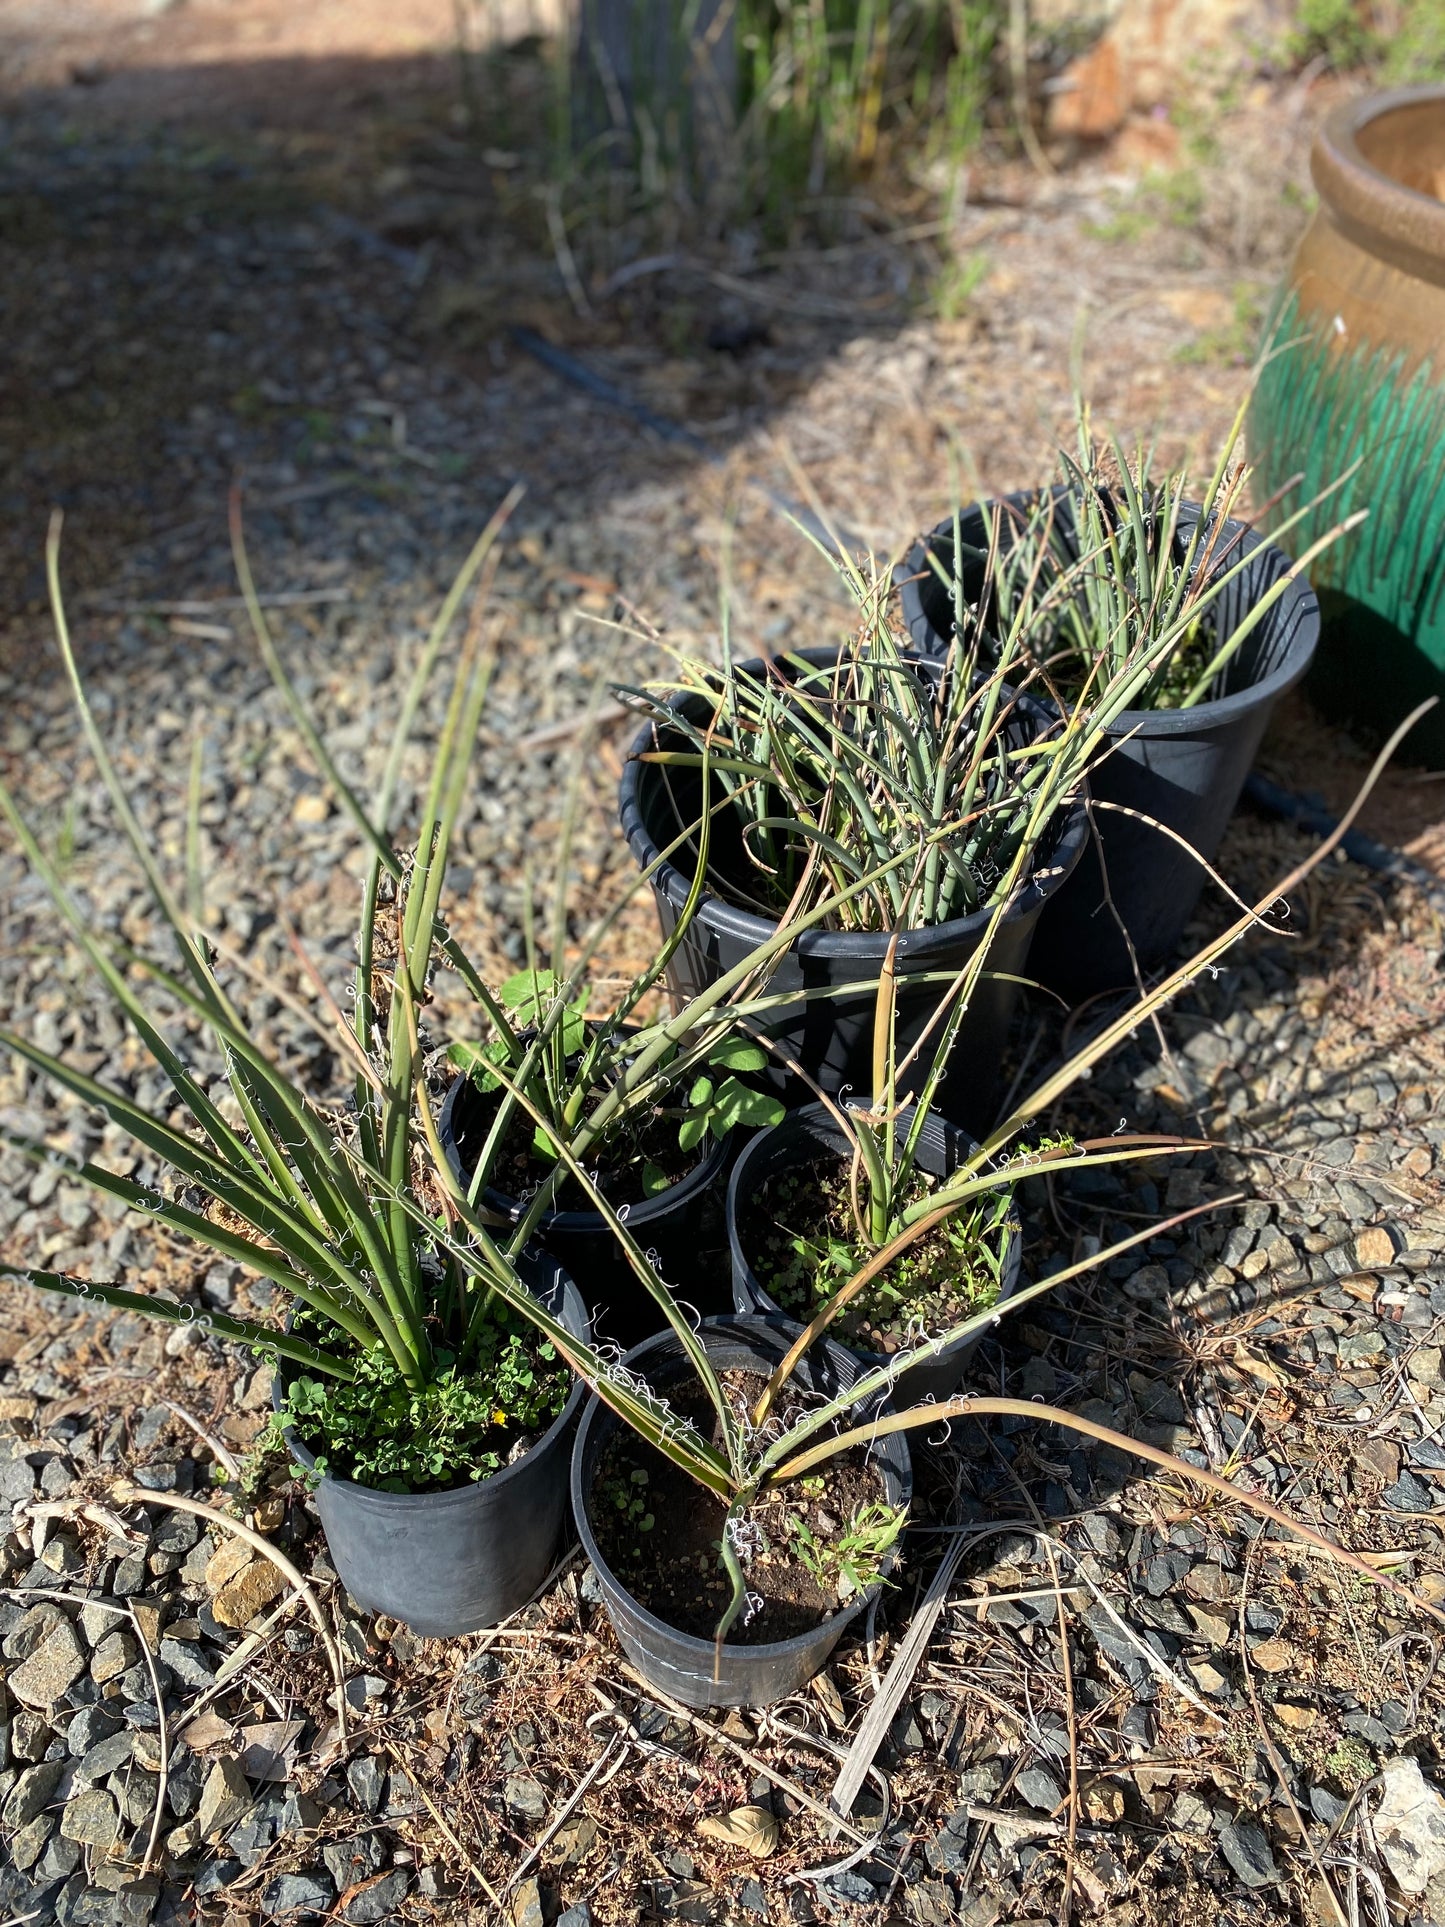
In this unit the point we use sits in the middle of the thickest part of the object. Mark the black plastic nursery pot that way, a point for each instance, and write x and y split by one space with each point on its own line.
825 1029
451 1562
1182 768
807 1134
669 1226
678 1663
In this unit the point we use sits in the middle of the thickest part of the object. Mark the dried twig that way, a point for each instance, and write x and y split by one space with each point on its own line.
983 1600
780 1729
562 251
165 1741
218 1452
601 718
250 1646
1067 1665
641 1688
283 599
1144 1650
432 1808
127 1494
559 1819
98 1515
1272 1750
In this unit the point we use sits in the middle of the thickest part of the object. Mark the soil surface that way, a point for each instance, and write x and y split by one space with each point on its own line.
671 1562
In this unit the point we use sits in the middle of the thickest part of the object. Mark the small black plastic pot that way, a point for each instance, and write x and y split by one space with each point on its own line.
1183 768
813 1132
828 1031
670 1225
451 1562
676 1662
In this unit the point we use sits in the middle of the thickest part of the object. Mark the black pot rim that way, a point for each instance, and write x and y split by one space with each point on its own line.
863 945
574 1316
638 1216
820 1113
1219 710
702 1650
1398 224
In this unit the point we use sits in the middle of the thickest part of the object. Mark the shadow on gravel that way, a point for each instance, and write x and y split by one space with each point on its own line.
309 273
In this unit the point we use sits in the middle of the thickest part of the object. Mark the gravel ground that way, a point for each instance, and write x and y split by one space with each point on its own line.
1151 1706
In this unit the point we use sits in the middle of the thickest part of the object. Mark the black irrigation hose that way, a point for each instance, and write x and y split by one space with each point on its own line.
598 386
601 389
1311 813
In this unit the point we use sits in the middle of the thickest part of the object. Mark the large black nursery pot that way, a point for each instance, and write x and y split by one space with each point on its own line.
822 1026
679 1663
669 1227
1183 768
451 1562
812 1132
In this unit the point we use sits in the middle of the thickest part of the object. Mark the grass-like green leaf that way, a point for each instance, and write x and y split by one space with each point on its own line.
256 1338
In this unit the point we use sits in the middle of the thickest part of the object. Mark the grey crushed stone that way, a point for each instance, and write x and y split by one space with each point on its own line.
50 1670
525 1797
1039 1787
298 1895
31 1793
364 1777
225 1796
29 1842
91 1819
104 1758
1246 1847
379 1901
348 1861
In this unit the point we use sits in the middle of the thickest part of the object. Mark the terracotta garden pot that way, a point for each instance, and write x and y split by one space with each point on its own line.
1358 373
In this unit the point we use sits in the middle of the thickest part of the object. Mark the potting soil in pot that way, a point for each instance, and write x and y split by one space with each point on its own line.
638 1163
660 1532
799 1236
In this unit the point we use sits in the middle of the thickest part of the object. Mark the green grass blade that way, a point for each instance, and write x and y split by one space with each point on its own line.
236 1188
257 1338
226 1141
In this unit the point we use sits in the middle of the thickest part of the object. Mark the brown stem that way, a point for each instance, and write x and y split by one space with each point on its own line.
955 1408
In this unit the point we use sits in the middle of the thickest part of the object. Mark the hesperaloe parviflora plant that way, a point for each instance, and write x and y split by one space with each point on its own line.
322 1201
1119 565
913 792
258 1171
1105 595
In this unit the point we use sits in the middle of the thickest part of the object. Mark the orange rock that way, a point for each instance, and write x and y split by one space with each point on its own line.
1145 141
1272 1656
1374 1247
241 1598
1092 100
1149 49
231 1557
